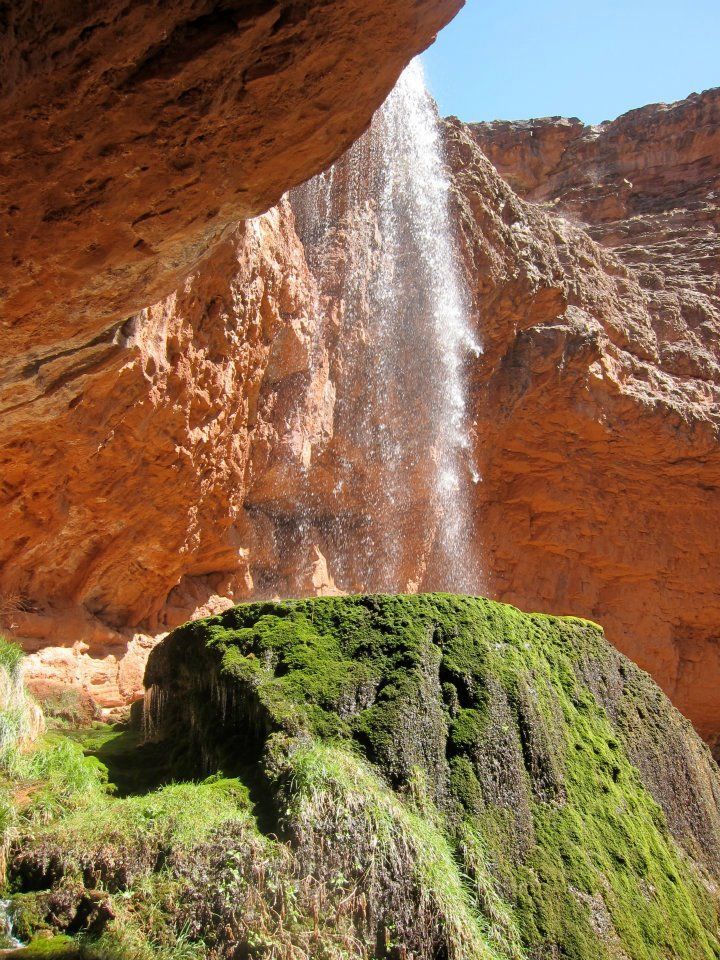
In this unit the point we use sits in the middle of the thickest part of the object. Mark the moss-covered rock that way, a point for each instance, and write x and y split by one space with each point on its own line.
428 776
59 947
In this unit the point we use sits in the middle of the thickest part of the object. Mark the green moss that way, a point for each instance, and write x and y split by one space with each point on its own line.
466 730
49 948
465 786
132 766
446 776
28 914
533 756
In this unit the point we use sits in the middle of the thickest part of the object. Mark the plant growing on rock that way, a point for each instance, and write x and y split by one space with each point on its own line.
429 776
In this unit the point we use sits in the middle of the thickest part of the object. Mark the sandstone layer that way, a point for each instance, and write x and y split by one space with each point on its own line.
200 453
600 399
135 135
123 488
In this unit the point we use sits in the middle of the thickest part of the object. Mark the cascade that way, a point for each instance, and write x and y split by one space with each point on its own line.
377 234
8 940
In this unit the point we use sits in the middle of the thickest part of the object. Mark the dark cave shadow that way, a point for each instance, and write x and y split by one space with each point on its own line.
135 768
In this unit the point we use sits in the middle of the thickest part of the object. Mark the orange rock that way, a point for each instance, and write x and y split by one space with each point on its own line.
599 401
135 134
157 475
134 137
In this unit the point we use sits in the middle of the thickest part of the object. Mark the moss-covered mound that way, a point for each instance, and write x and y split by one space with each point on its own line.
428 777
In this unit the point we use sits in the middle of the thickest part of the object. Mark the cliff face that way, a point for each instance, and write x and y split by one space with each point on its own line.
124 486
199 455
135 134
134 138
602 467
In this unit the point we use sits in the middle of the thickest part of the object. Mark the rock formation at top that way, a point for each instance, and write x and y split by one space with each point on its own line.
135 134
158 475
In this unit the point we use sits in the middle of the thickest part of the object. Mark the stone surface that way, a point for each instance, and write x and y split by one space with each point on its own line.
124 485
136 134
158 473
600 398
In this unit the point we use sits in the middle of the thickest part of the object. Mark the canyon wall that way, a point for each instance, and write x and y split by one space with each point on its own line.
600 399
194 457
125 493
136 134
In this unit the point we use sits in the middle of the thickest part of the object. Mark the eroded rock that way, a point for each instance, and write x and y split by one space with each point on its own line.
135 135
599 403
193 458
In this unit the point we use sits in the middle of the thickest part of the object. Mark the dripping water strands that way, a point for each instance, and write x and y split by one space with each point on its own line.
8 940
378 237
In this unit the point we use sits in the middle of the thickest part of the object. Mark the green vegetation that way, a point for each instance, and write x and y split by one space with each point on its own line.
434 776
60 947
16 715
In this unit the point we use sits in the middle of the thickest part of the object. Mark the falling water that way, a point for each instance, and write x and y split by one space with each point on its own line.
378 234
8 940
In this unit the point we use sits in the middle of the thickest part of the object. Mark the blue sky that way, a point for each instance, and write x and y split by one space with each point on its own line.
515 59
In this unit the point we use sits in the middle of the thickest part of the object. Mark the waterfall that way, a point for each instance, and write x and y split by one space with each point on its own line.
8 940
378 237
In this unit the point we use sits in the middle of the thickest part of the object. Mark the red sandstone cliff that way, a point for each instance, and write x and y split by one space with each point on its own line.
135 134
602 388
123 487
134 137
158 471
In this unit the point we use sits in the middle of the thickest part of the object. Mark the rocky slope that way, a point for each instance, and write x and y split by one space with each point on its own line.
428 776
197 456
